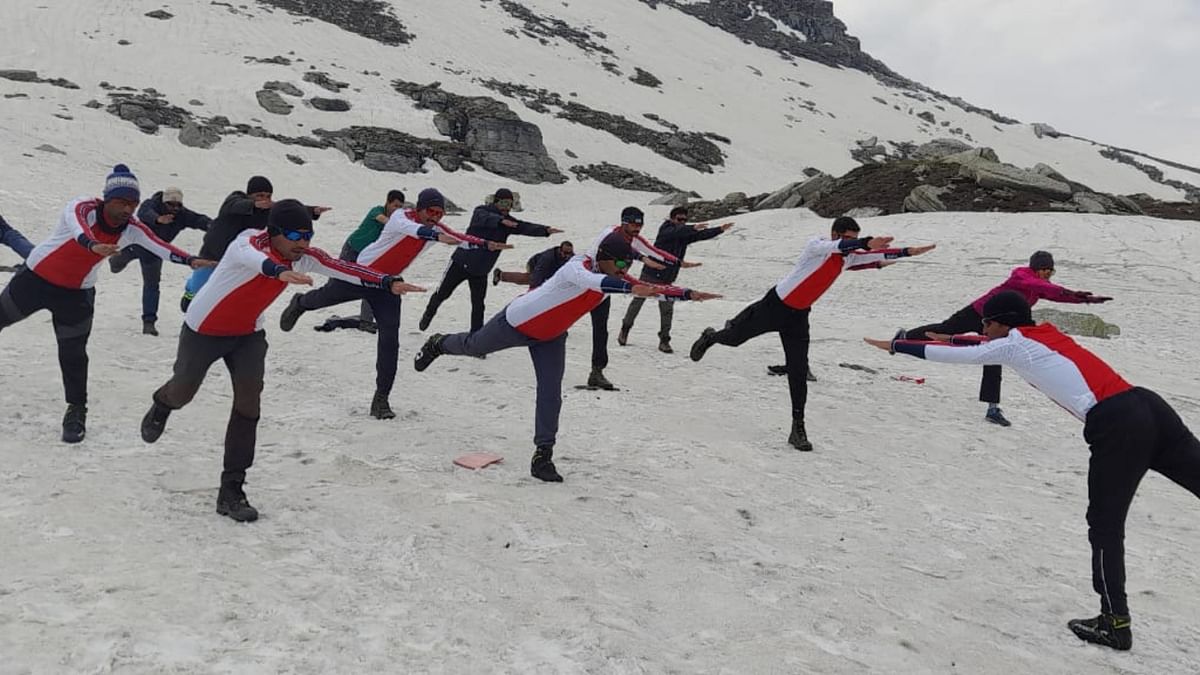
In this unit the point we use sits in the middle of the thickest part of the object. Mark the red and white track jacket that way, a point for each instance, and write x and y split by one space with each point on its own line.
403 239
821 262
65 258
246 282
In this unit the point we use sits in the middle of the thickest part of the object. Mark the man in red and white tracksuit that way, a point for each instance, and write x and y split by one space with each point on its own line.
404 237
630 229
225 321
1129 430
785 308
539 320
60 277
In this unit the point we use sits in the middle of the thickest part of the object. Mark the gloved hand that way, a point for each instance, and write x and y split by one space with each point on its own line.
1095 299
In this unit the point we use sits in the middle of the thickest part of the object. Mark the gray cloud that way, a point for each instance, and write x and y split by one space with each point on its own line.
1117 72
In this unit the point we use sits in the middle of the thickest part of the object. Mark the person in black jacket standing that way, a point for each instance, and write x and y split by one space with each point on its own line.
491 222
240 211
674 236
166 216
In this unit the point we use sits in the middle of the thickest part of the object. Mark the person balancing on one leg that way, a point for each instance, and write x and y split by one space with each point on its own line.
225 321
406 234
785 307
1033 283
61 276
1128 429
539 320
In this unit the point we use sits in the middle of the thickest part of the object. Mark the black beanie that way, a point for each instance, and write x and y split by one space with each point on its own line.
258 184
1041 260
502 193
632 214
289 214
1009 308
845 224
430 197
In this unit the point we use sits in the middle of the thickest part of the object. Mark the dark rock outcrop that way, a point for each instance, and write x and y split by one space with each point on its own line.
324 81
622 177
199 136
160 14
329 104
371 19
548 28
32 77
272 102
283 88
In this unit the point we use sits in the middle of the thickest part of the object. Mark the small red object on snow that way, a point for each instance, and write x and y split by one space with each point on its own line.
477 460
909 378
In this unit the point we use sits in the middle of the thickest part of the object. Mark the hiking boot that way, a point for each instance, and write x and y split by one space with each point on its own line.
810 377
702 343
291 314
368 326
542 466
1108 630
664 346
496 277
380 409
74 423
597 380
799 438
777 370
623 336
426 319
429 351
185 301
117 263
996 416
149 329
155 422
231 501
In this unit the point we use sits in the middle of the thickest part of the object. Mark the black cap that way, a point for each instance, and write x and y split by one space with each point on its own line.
615 247
678 210
289 214
502 193
1041 260
258 184
1009 308
632 214
430 197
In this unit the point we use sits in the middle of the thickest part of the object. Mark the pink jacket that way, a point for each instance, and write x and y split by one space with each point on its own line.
1025 281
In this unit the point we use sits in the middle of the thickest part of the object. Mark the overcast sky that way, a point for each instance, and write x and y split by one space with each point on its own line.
1119 72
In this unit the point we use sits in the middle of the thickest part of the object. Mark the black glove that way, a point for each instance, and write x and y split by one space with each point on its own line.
1096 299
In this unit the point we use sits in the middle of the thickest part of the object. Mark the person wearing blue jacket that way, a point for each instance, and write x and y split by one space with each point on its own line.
494 223
166 216
12 238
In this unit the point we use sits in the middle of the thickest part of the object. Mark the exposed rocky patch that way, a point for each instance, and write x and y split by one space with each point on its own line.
148 111
490 133
645 79
295 159
196 135
324 81
161 14
546 29
1192 192
46 147
371 19
689 148
622 177
272 102
390 150
1084 324
270 60
329 104
283 88
31 76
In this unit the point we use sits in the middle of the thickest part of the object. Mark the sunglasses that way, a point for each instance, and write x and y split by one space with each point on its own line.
297 235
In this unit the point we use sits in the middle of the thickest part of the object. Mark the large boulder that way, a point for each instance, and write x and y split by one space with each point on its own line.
1041 129
1090 202
1083 324
512 148
972 157
272 102
196 136
1006 176
941 147
329 104
925 199
1049 172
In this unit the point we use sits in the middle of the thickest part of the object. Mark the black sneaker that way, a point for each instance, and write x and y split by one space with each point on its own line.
623 336
380 409
542 466
231 501
291 314
74 423
996 416
1108 630
368 326
702 343
117 263
426 319
597 380
810 377
496 277
429 351
777 370
665 347
148 328
155 422
799 437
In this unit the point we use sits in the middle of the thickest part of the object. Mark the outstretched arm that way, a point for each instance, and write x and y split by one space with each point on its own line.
884 257
138 233
1000 352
